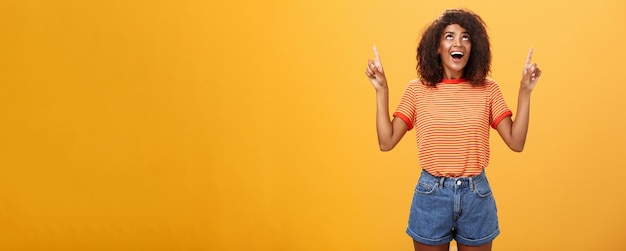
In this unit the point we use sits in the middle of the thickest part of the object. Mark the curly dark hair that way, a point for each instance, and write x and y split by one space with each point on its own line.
429 66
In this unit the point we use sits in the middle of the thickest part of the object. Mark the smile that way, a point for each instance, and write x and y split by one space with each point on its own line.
456 56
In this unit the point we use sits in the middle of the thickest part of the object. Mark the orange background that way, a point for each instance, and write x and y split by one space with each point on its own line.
225 125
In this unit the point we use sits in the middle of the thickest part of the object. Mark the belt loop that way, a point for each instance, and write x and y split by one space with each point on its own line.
441 181
471 183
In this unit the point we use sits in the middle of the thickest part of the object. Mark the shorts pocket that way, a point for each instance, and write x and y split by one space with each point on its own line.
425 187
482 188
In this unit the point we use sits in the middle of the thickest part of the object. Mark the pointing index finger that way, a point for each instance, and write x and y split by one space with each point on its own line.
376 56
530 55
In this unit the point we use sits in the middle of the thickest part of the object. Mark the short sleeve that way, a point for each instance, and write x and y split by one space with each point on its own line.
406 108
499 109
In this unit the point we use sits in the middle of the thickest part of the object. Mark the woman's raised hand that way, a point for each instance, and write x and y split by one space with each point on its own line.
375 72
531 73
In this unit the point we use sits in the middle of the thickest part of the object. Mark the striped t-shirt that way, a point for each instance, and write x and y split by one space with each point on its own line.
452 123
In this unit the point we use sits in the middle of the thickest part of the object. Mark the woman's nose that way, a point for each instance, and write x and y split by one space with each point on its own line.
456 42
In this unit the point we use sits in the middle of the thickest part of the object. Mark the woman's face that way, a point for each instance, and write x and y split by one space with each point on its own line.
454 50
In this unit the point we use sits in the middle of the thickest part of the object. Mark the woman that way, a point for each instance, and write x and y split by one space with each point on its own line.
451 106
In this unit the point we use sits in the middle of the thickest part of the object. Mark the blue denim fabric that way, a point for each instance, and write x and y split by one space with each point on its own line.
462 209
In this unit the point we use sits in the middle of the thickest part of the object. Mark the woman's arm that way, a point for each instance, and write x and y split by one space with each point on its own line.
389 132
514 132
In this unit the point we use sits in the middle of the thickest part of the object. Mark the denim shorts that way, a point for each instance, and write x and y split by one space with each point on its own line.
462 209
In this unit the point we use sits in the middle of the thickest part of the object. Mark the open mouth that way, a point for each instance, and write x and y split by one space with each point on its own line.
456 55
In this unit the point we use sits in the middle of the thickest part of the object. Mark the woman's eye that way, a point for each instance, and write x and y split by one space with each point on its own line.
449 37
465 38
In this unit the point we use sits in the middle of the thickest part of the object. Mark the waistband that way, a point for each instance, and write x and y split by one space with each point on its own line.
453 182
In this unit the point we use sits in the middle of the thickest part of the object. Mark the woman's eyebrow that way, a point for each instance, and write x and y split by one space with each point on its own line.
451 32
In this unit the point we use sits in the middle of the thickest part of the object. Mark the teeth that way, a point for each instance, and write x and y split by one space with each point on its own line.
456 53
